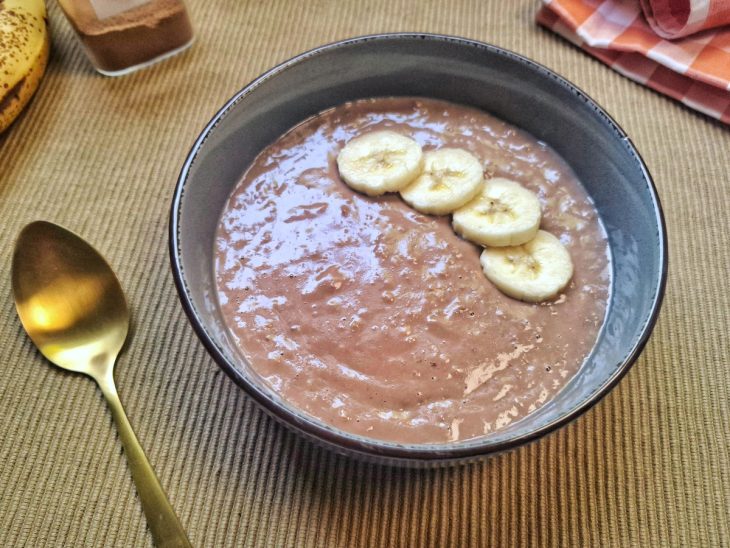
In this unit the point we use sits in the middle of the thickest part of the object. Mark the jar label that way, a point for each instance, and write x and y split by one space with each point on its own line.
109 8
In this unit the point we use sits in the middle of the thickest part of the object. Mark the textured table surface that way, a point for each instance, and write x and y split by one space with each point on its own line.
648 466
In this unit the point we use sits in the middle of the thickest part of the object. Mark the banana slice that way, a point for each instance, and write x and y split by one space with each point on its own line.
380 162
532 272
451 177
503 213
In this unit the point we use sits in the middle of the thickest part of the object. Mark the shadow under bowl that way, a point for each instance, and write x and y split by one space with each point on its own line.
497 81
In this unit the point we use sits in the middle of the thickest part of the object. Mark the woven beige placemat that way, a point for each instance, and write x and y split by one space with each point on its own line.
649 466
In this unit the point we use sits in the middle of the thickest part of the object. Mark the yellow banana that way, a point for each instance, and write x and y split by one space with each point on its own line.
24 47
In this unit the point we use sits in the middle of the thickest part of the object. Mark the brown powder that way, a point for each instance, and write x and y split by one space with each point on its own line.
133 37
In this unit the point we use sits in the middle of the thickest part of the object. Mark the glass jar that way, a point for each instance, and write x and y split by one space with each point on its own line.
120 36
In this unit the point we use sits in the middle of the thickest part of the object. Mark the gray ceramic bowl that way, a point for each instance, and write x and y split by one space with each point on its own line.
500 82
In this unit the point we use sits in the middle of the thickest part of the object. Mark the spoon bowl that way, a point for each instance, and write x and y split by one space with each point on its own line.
73 308
68 298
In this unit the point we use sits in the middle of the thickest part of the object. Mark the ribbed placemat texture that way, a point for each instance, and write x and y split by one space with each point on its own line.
649 466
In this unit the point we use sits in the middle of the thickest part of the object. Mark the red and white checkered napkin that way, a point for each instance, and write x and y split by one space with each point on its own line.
692 69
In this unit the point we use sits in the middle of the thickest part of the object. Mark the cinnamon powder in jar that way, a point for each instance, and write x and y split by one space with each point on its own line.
123 35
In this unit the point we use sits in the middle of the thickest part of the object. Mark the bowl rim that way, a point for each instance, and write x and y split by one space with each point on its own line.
371 447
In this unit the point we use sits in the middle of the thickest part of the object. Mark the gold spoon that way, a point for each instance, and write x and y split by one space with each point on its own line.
73 308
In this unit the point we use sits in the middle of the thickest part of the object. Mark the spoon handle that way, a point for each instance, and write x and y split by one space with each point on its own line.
166 529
